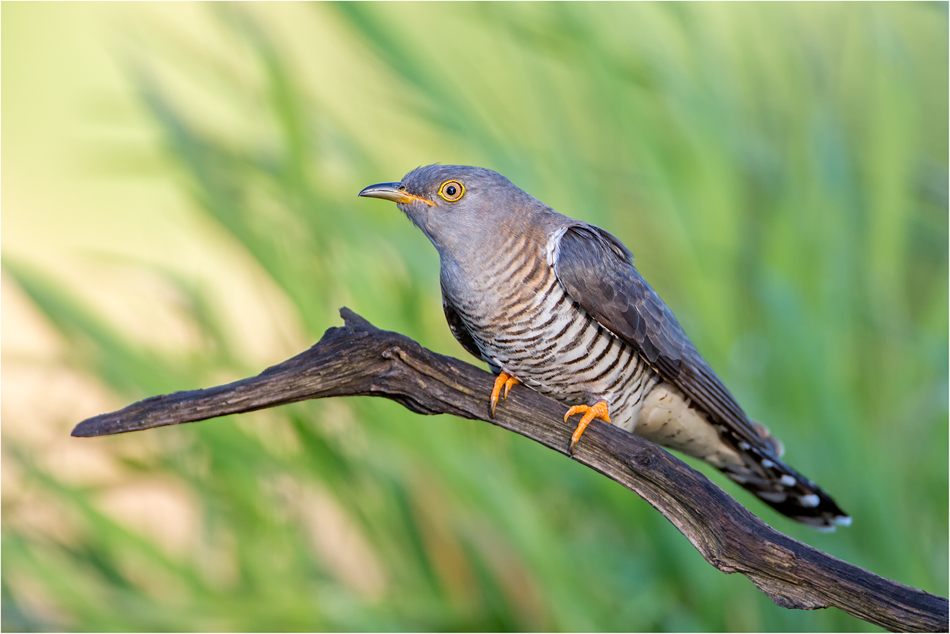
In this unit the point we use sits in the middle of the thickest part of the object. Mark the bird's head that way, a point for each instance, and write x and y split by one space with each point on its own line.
457 204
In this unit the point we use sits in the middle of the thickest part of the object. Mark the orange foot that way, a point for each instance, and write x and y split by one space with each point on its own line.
504 380
599 410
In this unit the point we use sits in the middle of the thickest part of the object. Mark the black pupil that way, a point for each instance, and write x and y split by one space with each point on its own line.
450 190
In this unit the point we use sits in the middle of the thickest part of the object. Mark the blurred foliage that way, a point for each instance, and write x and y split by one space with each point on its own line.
780 172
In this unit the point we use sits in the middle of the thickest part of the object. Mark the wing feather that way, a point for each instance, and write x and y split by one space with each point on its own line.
460 330
597 272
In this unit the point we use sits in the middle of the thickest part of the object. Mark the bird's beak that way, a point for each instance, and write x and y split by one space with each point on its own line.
395 192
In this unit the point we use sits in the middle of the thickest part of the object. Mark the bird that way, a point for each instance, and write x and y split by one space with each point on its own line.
556 305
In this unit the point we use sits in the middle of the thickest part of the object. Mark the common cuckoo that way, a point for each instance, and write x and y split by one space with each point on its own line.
556 304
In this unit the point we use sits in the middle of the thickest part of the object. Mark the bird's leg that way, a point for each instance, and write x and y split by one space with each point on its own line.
504 380
598 410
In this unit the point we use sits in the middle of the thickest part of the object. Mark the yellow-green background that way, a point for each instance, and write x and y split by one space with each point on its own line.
179 210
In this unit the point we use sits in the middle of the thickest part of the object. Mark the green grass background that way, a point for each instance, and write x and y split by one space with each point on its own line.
779 170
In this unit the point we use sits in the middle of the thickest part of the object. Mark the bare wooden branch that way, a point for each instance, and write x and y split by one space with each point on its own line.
360 359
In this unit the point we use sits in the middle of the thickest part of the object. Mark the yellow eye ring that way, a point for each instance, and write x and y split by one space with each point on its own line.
451 191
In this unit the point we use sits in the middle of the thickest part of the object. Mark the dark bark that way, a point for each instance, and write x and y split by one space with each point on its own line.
360 359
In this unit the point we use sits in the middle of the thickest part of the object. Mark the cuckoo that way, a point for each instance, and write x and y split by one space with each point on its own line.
556 304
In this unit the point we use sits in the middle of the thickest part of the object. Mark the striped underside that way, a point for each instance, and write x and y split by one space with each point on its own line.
552 345
547 341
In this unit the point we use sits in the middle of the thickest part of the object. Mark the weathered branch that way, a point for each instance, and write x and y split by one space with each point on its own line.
360 359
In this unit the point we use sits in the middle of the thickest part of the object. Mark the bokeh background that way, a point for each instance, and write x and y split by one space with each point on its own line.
179 210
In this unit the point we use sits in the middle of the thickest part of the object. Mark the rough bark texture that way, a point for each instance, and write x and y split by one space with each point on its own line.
360 359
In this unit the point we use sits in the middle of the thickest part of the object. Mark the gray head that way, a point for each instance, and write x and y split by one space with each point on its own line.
458 206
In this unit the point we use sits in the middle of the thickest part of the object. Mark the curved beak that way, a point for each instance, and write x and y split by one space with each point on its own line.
395 192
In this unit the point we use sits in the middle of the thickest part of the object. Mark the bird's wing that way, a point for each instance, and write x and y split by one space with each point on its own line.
458 328
597 272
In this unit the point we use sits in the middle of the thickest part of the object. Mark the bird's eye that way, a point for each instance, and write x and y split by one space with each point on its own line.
451 191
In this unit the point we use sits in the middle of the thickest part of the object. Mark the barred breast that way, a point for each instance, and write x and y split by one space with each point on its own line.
524 323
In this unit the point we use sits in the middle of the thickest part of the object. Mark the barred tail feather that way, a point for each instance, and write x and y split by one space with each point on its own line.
787 491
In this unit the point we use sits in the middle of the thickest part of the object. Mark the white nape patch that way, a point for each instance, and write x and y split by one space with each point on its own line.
744 446
772 497
787 480
809 501
553 250
768 464
842 520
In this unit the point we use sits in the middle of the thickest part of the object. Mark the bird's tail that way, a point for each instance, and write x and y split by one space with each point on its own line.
784 489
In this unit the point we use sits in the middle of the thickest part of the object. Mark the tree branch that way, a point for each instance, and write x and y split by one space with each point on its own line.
360 359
